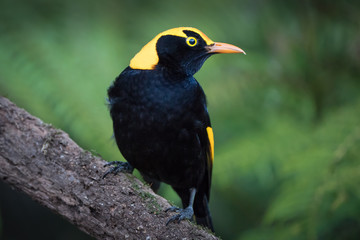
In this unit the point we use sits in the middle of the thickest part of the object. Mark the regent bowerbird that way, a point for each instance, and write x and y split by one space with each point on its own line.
161 122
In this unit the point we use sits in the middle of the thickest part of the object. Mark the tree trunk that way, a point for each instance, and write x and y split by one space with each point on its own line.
47 165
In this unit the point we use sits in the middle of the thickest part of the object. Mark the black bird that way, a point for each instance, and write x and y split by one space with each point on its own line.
160 118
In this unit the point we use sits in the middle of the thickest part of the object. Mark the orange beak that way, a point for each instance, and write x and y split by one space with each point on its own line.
223 48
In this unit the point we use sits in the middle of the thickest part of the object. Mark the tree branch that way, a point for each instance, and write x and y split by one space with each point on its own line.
47 165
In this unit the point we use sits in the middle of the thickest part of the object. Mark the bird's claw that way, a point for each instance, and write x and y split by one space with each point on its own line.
186 213
119 167
173 209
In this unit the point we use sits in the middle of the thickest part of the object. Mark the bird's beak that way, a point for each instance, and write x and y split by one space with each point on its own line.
218 47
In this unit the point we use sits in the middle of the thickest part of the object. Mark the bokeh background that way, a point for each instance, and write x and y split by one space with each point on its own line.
286 116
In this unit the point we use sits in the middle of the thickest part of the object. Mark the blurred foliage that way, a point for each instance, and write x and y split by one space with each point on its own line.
286 116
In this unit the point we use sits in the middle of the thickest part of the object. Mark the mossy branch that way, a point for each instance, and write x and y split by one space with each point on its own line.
47 165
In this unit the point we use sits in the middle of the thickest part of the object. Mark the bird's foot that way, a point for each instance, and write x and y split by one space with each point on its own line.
173 209
186 213
118 167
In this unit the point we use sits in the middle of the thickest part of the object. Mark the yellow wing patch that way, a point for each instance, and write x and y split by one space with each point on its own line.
147 58
211 141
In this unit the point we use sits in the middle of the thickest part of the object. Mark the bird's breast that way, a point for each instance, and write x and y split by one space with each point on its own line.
153 100
155 123
161 98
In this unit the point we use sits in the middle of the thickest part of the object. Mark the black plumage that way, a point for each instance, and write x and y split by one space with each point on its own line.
160 118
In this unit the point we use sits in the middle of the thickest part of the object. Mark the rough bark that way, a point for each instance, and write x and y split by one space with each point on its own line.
47 165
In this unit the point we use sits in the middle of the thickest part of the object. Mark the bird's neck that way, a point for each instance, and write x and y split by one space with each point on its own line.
172 66
173 74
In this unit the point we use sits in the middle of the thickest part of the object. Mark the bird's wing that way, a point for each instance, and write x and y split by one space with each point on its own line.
209 148
206 137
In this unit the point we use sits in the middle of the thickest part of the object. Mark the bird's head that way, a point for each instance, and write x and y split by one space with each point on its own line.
182 49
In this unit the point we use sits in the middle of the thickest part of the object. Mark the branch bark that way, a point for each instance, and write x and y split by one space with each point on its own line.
47 165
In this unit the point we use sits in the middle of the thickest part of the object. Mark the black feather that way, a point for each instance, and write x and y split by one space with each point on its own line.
160 119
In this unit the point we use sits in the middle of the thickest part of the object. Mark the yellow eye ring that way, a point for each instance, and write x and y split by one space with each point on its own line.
191 41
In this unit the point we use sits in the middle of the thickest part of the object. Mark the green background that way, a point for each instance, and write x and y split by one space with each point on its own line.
286 116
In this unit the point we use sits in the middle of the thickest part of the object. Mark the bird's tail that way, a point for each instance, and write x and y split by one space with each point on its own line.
202 213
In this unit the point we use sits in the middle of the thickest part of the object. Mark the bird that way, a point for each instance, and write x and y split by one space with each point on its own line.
161 122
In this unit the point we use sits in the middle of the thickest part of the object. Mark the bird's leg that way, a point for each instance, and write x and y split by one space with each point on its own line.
186 213
119 167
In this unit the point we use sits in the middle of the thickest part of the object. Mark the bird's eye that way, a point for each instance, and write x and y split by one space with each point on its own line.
191 41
